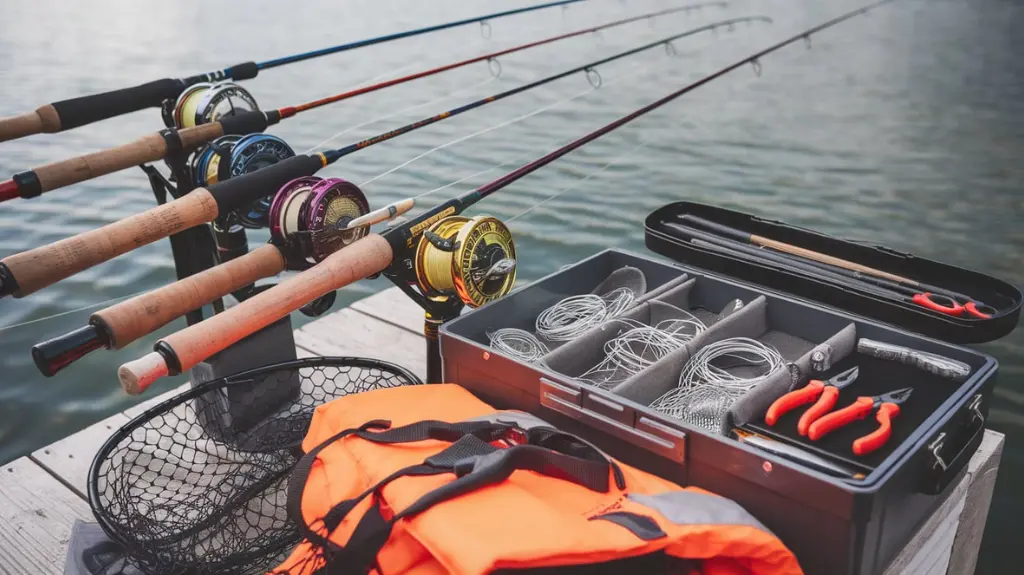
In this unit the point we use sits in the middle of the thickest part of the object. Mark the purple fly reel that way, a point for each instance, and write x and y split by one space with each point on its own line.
286 209
332 203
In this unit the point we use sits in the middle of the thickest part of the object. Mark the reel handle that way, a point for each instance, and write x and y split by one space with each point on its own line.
43 119
384 214
86 167
37 268
197 342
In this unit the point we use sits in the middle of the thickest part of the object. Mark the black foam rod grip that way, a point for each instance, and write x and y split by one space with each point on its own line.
243 71
242 190
248 122
54 355
88 109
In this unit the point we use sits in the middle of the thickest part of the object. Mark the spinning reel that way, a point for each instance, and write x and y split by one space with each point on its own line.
461 261
308 217
230 156
207 102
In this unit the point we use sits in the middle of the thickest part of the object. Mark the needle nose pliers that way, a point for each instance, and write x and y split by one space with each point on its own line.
888 406
826 392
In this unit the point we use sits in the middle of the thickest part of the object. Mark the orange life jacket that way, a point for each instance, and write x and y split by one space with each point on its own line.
429 480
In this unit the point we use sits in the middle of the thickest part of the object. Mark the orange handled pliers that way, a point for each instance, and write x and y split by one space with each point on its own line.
888 406
826 392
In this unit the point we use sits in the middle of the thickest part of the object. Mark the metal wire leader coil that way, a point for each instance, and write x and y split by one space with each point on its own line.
472 258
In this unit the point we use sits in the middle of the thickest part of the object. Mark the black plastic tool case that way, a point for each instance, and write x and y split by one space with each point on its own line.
835 526
995 292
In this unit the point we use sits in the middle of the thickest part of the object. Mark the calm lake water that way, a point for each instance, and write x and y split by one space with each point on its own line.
904 127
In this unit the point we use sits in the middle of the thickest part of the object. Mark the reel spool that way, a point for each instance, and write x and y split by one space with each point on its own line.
207 102
232 155
308 215
471 258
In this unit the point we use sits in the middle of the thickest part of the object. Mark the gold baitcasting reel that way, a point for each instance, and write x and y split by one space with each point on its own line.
473 259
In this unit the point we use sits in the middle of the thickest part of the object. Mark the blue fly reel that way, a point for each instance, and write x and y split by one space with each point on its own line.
231 156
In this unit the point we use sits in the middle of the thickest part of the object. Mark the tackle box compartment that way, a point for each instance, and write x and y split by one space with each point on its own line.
835 526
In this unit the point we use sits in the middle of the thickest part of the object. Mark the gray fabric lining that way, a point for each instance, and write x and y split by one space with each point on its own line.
693 508
670 285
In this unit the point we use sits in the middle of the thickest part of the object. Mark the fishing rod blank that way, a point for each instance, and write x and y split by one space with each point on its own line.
77 112
26 272
390 253
153 147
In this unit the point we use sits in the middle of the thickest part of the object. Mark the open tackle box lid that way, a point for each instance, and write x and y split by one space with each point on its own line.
663 235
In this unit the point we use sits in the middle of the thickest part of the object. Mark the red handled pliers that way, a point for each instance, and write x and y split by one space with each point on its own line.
888 406
826 392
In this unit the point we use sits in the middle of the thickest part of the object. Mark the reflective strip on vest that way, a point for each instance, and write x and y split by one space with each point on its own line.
692 508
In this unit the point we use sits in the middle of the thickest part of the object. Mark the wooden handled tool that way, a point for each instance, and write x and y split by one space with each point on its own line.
186 348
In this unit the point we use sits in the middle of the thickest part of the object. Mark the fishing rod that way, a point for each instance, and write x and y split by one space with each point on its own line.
478 252
77 112
26 272
314 217
196 122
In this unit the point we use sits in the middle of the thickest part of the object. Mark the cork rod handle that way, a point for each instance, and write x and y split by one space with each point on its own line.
131 319
146 149
26 124
43 266
197 342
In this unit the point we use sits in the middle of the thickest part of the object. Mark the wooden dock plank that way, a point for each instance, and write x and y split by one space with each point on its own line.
70 458
982 471
37 513
348 332
393 306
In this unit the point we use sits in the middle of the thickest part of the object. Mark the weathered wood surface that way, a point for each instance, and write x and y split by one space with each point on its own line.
36 516
41 495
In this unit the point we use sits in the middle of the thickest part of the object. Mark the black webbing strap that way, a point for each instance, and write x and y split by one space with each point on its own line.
419 431
372 531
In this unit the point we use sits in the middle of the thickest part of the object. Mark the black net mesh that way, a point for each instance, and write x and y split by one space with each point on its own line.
198 484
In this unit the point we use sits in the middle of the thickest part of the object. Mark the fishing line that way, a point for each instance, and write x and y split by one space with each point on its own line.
63 313
401 112
76 112
593 88
639 347
519 343
540 110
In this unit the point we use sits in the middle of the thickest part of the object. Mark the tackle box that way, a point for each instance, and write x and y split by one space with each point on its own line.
852 525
